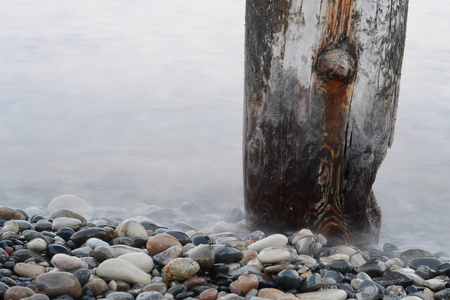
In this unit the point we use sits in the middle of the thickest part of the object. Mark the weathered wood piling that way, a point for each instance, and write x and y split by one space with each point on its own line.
321 90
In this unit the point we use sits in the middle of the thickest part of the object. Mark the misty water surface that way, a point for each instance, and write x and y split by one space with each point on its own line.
120 102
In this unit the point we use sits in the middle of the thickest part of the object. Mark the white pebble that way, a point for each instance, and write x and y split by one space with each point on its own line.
272 240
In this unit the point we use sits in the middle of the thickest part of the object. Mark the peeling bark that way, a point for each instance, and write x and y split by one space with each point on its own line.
321 89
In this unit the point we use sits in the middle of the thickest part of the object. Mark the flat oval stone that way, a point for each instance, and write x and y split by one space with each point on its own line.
24 254
390 278
119 269
209 294
82 275
64 262
130 228
38 245
18 292
23 225
161 242
180 269
59 283
409 255
118 250
37 297
271 240
61 222
8 213
94 243
43 225
201 239
28 270
336 276
431 262
226 255
274 255
80 237
54 249
140 260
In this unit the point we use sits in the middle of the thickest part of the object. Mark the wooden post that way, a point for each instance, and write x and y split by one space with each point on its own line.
321 89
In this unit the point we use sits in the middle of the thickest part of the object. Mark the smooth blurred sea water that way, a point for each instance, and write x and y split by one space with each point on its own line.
120 103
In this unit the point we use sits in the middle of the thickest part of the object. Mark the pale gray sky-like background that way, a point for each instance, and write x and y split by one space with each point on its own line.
121 103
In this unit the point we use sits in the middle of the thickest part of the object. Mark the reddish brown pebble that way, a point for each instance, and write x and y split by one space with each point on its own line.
244 284
160 242
210 294
249 242
194 281
248 256
18 292
270 293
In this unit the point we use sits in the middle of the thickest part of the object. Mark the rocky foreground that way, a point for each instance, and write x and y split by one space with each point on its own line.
56 253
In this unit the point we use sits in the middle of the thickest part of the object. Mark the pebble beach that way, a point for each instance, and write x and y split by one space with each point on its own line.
70 250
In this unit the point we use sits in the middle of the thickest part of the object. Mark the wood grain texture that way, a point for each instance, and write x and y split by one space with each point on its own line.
321 89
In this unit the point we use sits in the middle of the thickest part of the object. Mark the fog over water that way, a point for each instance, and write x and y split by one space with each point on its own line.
121 103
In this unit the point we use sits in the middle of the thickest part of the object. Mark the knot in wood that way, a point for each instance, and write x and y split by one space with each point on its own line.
335 64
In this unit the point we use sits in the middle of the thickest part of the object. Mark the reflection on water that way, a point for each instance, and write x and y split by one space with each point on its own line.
120 104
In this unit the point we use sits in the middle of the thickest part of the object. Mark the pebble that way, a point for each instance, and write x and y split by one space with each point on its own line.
70 202
130 228
64 262
203 255
140 260
112 258
119 269
7 213
160 242
271 240
28 270
37 245
18 292
59 283
62 222
274 255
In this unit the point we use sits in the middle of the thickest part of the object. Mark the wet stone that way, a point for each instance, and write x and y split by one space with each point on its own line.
244 284
431 262
4 256
59 283
443 269
288 279
348 289
57 249
43 225
180 236
367 290
340 265
225 254
373 269
332 294
155 287
204 256
175 290
65 233
409 255
335 276
8 213
390 278
184 295
24 254
201 240
444 294
82 275
120 296
209 294
274 255
18 292
270 241
80 237
425 272
312 283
